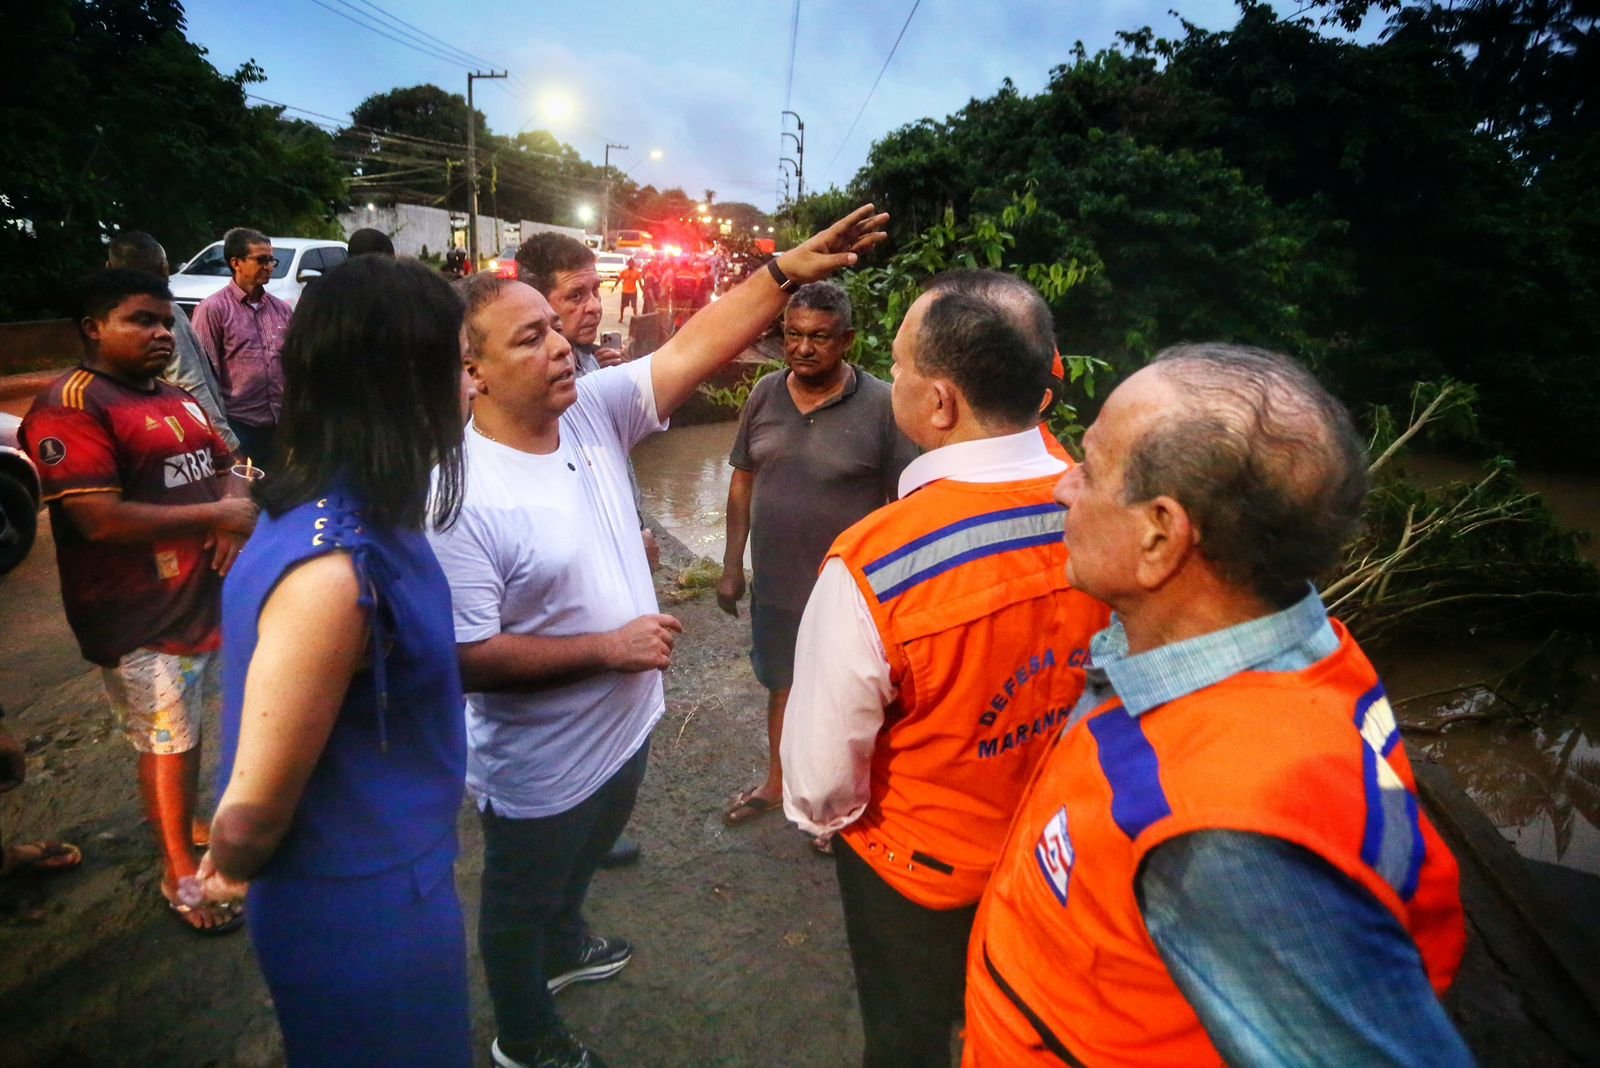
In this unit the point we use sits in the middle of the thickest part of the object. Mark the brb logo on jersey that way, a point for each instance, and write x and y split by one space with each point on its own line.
187 468
1054 854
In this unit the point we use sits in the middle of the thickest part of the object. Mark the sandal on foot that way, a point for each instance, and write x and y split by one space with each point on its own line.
233 916
823 843
39 858
746 806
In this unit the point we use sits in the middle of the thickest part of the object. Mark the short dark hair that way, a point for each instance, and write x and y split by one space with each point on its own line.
103 290
827 297
372 381
478 291
367 240
236 242
993 336
1264 459
544 255
137 251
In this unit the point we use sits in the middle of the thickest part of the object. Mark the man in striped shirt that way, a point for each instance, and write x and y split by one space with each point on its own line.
134 474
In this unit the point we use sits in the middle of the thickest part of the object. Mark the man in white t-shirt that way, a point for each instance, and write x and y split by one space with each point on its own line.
560 640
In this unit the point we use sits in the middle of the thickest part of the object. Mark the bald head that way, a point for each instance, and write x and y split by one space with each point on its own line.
1262 458
991 334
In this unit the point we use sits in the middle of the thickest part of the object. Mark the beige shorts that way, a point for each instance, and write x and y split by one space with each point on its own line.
161 699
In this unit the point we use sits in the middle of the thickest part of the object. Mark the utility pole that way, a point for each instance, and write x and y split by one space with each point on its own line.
800 151
472 170
782 171
605 207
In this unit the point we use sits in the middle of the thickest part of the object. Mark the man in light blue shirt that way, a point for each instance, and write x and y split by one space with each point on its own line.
1215 484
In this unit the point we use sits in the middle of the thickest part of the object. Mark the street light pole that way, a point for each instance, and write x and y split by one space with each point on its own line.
472 170
605 207
799 150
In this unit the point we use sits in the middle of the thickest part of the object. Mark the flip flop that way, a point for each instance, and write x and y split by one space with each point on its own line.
235 914
823 843
45 857
746 806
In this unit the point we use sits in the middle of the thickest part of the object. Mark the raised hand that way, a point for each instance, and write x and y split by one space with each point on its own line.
839 246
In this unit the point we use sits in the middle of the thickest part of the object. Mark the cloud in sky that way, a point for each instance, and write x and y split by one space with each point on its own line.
705 82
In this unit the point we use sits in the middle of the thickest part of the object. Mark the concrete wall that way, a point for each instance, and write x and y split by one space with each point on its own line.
414 227
529 228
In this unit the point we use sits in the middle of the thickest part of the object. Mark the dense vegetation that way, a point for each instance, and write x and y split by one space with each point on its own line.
113 119
1418 208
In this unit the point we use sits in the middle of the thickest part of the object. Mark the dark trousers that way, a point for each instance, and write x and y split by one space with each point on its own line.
536 873
256 442
910 964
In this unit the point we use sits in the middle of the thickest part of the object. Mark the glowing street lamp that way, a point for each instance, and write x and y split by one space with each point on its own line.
585 213
557 106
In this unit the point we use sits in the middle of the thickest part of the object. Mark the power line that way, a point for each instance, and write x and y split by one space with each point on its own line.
794 37
828 170
435 46
473 60
430 53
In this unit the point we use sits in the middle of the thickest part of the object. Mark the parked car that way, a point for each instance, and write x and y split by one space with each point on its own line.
300 259
19 496
506 265
610 264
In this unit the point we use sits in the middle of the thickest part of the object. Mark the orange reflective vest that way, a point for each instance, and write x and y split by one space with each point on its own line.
1061 968
985 643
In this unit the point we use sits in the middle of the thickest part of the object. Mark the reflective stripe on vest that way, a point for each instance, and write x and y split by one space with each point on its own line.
970 539
1060 955
985 641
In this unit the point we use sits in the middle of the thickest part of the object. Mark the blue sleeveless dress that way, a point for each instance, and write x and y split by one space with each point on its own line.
355 919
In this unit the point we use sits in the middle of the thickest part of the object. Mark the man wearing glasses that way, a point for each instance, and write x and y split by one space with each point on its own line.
241 327
817 449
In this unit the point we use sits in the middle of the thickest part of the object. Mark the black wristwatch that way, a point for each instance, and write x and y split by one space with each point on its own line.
785 283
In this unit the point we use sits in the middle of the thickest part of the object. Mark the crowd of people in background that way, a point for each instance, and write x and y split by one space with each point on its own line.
1097 772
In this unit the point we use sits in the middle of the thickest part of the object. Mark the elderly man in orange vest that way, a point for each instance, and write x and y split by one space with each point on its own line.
1221 859
939 653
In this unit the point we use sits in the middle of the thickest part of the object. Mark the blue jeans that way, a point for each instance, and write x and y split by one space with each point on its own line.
536 873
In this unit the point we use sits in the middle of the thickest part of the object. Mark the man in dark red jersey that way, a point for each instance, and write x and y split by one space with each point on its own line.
144 530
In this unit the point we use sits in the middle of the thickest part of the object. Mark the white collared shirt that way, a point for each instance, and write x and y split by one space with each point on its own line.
841 673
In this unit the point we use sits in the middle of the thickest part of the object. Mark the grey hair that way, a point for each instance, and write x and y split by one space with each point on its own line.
1264 459
236 242
827 297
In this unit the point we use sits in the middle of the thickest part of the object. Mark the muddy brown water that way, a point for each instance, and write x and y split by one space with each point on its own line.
1536 776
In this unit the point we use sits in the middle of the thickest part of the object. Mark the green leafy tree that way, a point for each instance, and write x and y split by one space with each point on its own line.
114 120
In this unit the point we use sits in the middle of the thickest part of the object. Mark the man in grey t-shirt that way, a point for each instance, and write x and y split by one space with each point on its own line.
817 449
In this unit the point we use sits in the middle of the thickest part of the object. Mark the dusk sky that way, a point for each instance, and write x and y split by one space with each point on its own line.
703 82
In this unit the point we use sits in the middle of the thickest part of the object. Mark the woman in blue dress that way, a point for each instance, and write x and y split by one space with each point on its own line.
343 751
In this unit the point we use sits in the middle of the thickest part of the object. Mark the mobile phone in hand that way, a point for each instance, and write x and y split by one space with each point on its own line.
611 339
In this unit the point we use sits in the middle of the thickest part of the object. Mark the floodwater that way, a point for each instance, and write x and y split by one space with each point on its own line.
1533 767
683 475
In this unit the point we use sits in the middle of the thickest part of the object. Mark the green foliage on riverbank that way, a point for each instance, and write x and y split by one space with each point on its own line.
1418 208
